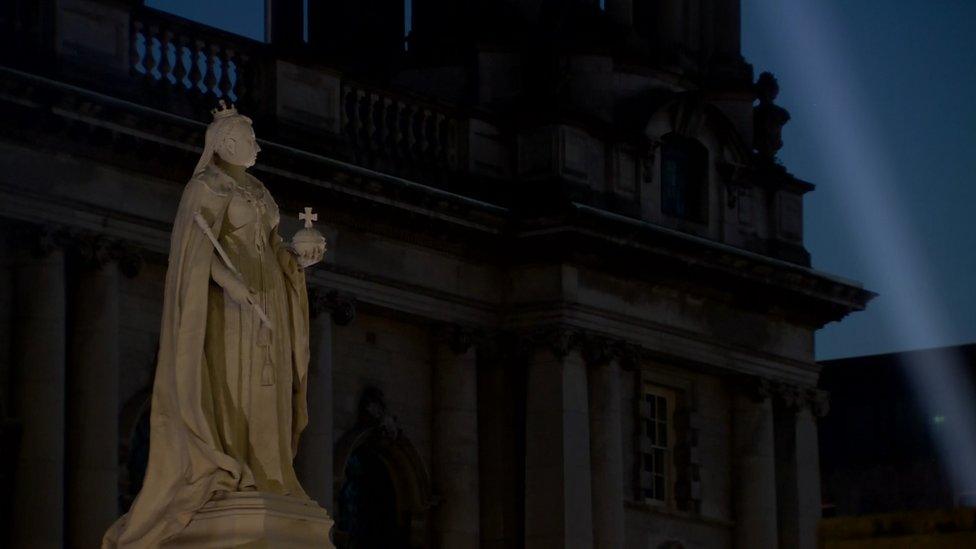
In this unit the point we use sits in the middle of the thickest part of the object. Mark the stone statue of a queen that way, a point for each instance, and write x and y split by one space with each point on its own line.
229 397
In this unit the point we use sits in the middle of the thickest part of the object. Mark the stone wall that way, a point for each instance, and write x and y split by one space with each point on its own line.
394 356
709 400
141 308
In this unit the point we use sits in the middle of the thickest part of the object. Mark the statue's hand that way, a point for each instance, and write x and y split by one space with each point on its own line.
311 257
239 292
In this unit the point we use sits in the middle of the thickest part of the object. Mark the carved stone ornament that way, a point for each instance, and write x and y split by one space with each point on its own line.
373 413
342 308
458 338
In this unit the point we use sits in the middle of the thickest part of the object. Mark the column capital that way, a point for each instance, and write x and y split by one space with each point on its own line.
39 241
96 251
92 249
342 307
798 398
559 340
757 389
457 338
819 402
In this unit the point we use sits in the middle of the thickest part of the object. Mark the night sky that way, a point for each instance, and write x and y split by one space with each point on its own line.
883 99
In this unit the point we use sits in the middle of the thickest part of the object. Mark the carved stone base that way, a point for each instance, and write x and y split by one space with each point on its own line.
256 520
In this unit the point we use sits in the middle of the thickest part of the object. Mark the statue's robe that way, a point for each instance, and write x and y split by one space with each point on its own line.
197 447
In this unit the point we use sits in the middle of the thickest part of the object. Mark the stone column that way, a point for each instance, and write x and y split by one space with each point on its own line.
808 466
797 465
501 471
93 401
606 449
558 499
38 361
754 467
454 467
315 460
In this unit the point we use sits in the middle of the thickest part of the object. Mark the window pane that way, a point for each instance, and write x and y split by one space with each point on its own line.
684 178
659 487
649 463
659 461
662 434
662 408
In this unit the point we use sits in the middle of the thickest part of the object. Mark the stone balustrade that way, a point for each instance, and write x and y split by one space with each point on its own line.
178 56
389 131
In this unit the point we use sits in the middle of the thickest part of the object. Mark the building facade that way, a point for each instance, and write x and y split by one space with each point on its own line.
566 301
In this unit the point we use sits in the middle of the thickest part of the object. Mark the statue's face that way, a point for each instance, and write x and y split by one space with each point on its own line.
239 146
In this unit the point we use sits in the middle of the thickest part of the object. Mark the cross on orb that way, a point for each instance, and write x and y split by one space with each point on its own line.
308 217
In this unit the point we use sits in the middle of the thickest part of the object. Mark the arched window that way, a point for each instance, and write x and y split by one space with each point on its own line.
684 178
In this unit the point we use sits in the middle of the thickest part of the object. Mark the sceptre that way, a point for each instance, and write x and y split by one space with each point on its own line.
230 265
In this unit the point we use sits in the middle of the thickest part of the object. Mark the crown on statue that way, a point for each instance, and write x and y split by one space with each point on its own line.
223 110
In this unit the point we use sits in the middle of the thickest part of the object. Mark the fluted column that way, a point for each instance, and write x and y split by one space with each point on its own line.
455 442
754 466
808 466
797 465
558 499
606 447
314 462
38 361
93 399
501 401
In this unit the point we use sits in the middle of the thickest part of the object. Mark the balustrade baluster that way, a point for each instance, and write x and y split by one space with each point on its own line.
150 60
375 123
417 135
138 37
210 80
228 75
179 68
430 136
391 128
196 73
165 66
349 113
383 136
405 142
362 119
440 127
451 149
244 79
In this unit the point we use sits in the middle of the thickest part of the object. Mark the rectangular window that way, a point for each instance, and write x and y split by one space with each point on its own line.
657 443
684 178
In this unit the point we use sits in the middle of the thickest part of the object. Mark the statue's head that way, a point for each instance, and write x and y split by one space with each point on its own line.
766 87
231 137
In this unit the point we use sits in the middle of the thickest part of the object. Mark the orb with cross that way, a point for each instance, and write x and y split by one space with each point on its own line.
308 242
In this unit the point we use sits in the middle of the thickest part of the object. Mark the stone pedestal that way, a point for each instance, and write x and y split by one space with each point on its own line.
256 520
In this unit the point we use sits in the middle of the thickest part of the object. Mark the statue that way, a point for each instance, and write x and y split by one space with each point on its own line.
768 118
228 401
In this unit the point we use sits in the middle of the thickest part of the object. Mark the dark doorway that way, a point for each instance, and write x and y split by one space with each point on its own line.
367 505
